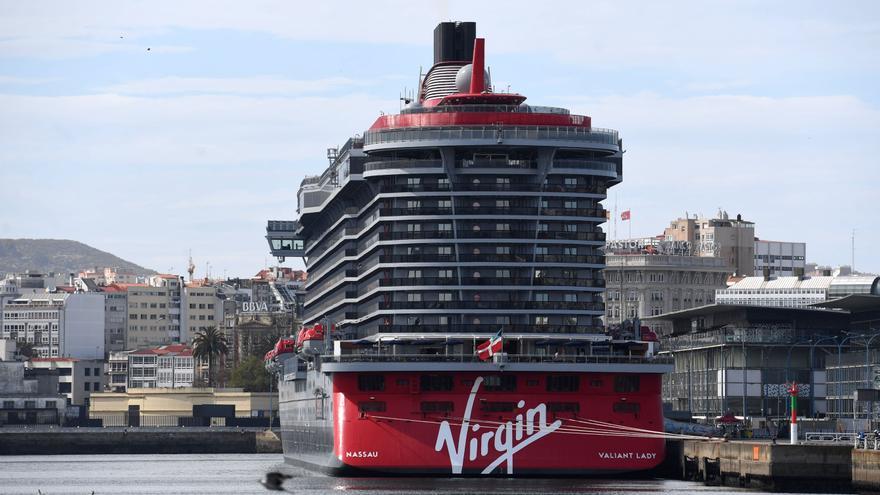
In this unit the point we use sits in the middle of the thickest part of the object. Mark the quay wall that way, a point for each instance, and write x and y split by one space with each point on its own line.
767 466
866 469
137 441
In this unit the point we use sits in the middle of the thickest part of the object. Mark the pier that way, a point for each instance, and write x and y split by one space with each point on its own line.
763 465
776 467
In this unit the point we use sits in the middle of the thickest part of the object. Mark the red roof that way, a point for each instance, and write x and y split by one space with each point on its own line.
165 350
113 288
166 275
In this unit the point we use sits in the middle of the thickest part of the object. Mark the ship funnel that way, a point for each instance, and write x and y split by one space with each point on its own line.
454 41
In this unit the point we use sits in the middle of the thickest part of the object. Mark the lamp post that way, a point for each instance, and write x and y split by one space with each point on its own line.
839 399
868 369
812 381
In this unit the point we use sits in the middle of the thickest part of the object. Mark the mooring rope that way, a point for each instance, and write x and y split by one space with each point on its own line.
615 430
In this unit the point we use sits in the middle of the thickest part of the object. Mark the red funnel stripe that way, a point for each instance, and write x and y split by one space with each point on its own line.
477 82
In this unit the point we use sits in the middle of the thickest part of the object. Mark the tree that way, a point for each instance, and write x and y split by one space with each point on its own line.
251 375
210 344
25 349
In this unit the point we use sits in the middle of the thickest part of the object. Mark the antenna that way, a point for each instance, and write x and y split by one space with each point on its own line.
853 260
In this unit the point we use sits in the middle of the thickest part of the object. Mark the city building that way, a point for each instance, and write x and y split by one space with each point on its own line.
169 366
739 359
780 259
57 324
202 308
856 365
117 371
169 406
795 292
732 240
649 277
115 317
151 318
29 397
77 378
112 275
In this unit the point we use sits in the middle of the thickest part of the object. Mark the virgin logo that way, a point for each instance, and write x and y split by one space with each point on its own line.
504 441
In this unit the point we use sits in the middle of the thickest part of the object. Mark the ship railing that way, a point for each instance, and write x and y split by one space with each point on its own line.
403 163
511 358
584 164
487 108
565 133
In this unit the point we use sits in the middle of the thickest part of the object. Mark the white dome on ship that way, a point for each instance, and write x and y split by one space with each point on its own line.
463 79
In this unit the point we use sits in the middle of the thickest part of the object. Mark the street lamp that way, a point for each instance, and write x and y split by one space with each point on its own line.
812 381
839 399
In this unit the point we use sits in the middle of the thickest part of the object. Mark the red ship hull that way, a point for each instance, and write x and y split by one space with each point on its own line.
402 428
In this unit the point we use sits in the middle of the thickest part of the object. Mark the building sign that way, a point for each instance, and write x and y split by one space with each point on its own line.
655 246
254 307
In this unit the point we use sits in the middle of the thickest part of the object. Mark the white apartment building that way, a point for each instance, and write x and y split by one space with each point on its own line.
795 292
202 308
57 325
117 371
152 319
77 378
780 259
170 366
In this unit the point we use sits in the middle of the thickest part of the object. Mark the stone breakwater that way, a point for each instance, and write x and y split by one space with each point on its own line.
138 441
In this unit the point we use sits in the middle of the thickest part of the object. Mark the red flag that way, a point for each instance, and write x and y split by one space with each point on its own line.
625 215
489 348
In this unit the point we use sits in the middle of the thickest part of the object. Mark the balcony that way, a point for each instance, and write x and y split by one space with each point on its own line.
372 168
424 234
580 164
488 328
417 258
494 305
503 163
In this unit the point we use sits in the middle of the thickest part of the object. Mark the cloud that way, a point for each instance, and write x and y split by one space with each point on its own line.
257 85
178 130
26 81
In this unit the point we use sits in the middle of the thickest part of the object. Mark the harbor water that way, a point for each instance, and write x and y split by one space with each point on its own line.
240 473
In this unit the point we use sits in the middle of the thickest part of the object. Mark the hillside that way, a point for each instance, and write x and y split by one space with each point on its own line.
57 255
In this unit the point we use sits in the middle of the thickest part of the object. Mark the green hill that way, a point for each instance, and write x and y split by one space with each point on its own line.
57 255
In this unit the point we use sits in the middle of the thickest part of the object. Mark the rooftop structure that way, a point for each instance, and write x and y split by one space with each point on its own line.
795 291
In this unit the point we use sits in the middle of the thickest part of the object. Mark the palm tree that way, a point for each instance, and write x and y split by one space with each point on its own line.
210 343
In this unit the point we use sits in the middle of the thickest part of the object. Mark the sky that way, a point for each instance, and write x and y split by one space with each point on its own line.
152 129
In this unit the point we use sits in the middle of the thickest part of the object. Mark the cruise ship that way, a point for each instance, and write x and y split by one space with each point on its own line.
452 314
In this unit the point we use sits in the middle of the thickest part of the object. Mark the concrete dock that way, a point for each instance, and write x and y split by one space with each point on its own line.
866 469
765 465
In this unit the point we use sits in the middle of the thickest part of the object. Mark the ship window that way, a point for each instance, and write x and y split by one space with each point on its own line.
371 406
500 383
626 383
563 383
564 407
491 406
437 406
626 407
403 382
370 383
435 383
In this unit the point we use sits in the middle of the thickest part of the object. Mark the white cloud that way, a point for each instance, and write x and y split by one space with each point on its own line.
255 85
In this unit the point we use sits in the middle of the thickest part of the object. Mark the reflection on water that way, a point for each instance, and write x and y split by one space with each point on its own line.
231 473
